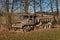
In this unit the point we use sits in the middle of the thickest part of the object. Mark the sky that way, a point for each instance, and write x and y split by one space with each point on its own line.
31 9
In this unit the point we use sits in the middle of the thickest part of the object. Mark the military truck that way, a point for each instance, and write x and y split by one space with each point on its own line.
26 23
29 22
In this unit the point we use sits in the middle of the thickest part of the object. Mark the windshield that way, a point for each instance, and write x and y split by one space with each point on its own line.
24 17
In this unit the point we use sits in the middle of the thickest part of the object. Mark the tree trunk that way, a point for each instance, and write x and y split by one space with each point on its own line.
41 7
34 8
57 10
52 10
34 12
11 13
51 6
57 7
26 6
7 12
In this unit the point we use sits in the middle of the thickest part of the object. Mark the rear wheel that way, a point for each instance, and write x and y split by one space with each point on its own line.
26 28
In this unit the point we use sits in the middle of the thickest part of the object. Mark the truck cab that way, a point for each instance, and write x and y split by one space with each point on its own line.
26 22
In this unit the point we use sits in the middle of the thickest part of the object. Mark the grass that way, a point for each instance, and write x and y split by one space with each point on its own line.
53 34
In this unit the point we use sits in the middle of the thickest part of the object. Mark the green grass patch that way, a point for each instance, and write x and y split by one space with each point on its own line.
53 34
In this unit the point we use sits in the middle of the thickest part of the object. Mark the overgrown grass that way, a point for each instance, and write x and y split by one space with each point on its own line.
53 34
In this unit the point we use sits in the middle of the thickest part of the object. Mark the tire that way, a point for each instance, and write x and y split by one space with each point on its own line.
15 29
32 28
25 29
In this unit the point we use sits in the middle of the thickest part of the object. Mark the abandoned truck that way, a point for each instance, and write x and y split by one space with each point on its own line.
29 22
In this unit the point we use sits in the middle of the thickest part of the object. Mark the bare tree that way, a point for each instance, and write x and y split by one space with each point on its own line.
41 7
57 9
0 17
10 15
26 6
34 7
7 6
51 5
52 9
7 12
12 7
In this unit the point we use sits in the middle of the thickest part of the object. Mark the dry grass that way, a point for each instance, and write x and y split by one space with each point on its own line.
52 34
